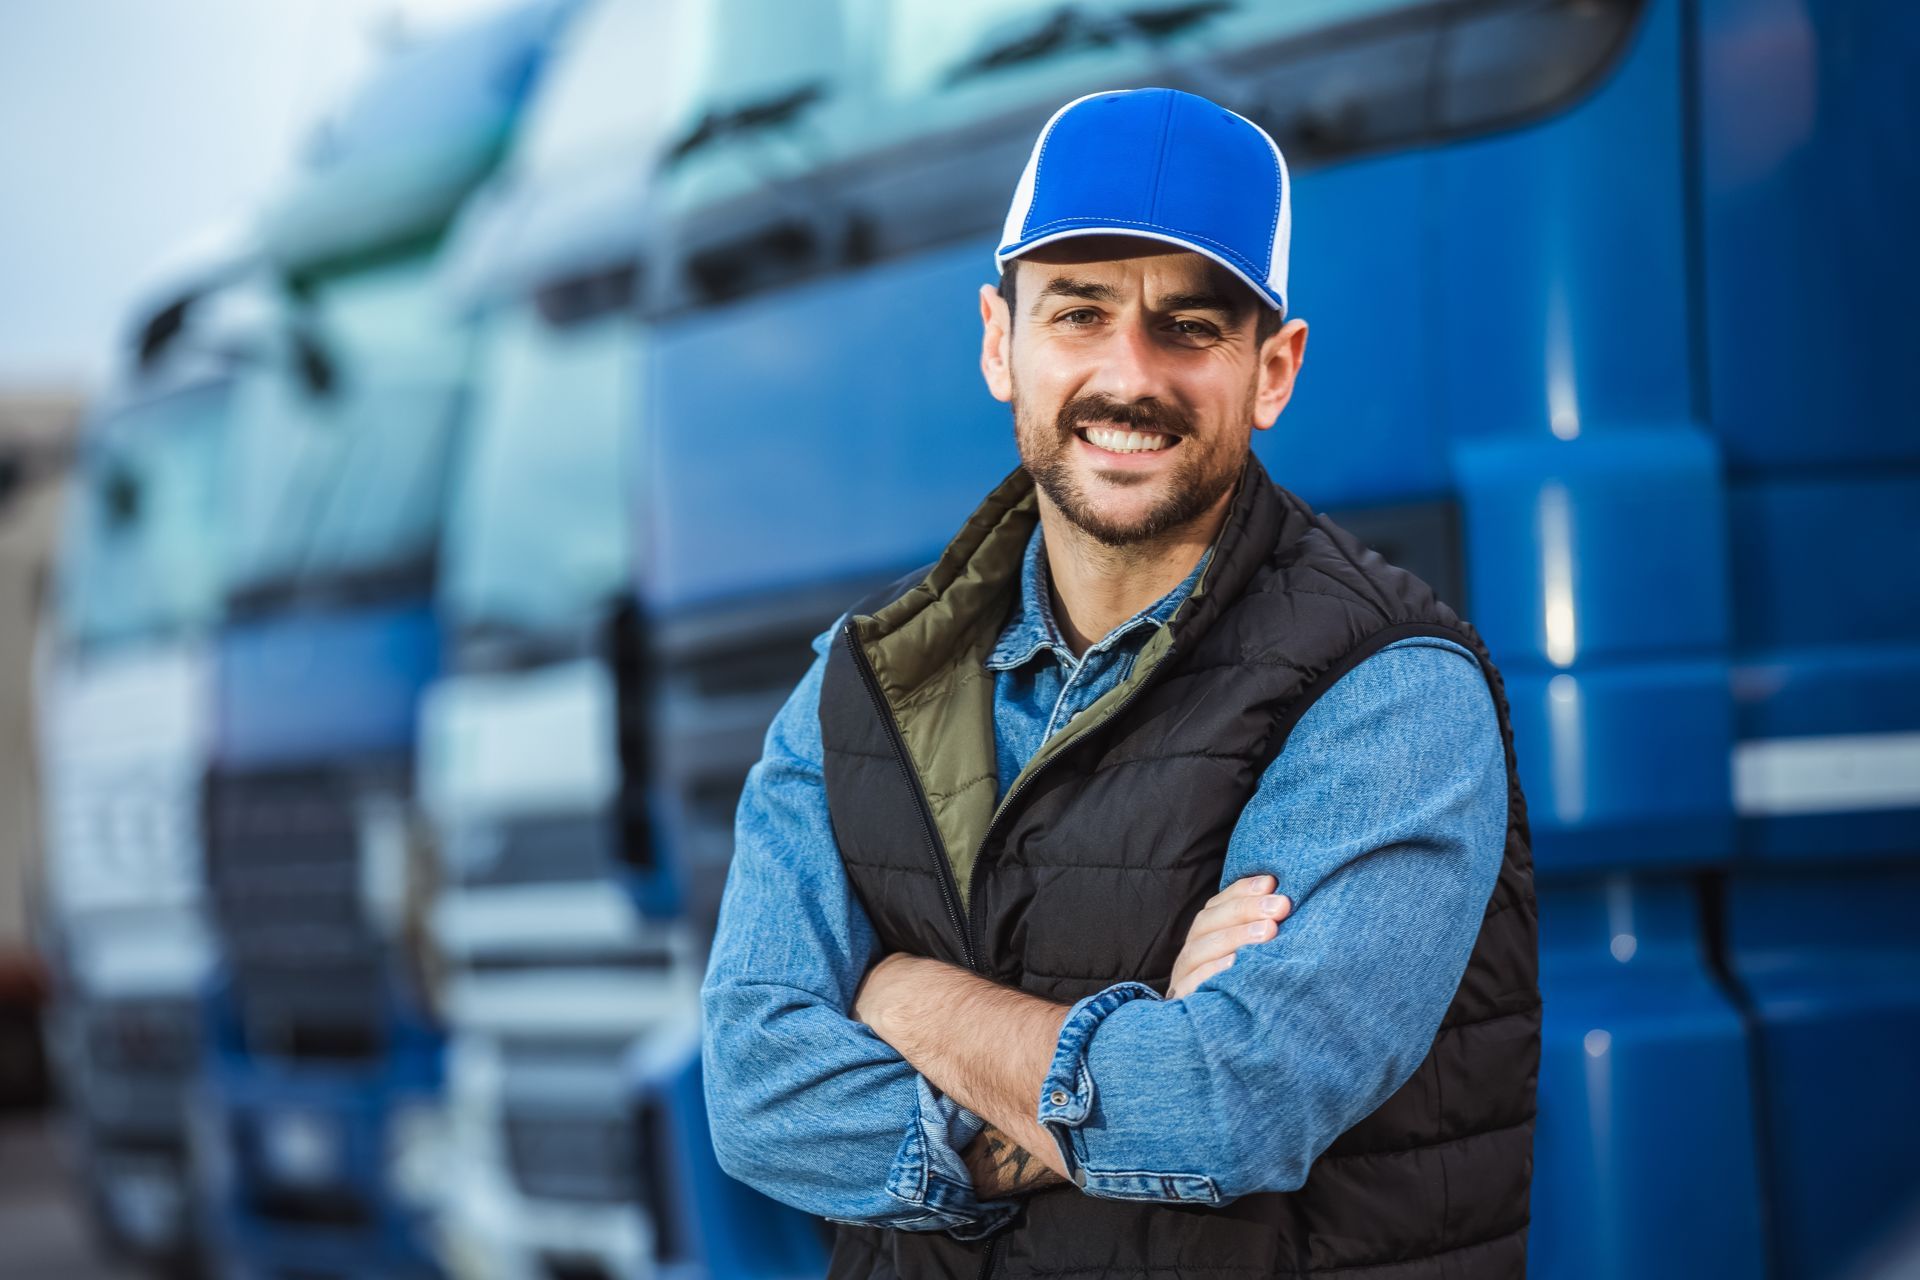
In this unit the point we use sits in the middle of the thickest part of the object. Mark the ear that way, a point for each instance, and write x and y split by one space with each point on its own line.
1280 358
996 343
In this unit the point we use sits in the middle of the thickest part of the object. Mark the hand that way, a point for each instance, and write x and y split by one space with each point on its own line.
1246 911
1002 1167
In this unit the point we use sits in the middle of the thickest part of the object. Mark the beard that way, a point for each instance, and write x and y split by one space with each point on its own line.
1203 471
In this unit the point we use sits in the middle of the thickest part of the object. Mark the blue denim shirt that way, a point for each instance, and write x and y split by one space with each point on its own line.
1384 822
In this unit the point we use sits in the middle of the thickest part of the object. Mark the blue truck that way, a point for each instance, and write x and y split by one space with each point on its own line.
566 928
317 1119
1609 301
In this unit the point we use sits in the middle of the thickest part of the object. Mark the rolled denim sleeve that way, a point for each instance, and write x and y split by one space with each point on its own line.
807 1105
1384 821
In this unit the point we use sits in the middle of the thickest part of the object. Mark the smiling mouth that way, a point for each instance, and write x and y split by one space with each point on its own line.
1119 440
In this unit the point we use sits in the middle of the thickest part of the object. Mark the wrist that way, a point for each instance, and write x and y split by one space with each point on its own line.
884 992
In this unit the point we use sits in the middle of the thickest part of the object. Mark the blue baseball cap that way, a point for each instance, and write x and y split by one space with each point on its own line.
1164 165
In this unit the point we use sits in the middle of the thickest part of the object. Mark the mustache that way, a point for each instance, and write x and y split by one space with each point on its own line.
1146 415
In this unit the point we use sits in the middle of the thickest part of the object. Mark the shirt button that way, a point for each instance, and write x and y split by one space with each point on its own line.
1059 1098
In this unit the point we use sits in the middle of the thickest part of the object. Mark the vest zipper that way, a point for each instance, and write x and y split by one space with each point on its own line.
964 924
1006 801
949 891
979 853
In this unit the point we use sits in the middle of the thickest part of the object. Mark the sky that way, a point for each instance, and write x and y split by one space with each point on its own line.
129 128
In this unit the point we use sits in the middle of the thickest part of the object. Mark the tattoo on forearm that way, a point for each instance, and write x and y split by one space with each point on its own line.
1002 1167
1009 1156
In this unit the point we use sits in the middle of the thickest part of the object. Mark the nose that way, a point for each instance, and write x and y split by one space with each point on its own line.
1132 365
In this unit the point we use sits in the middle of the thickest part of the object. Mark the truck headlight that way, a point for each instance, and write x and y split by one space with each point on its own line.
417 1144
385 833
300 1148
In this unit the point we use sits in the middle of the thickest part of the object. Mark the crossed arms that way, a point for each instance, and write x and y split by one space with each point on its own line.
873 1089
989 1047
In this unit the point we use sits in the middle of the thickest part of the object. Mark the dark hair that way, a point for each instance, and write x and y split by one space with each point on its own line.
1266 321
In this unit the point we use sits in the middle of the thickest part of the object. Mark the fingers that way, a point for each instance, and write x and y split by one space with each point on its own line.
1246 911
1209 948
1224 942
1206 954
1245 885
1184 984
1241 909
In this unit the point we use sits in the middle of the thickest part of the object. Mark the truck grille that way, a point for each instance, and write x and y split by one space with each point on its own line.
572 1156
716 683
142 1037
284 876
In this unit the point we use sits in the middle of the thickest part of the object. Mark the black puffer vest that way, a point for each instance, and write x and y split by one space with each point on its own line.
1087 875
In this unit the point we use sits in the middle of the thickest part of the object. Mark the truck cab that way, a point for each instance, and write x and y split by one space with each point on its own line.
125 720
567 947
320 1102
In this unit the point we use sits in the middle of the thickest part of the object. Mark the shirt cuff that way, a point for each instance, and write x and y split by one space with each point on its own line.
1068 1099
929 1175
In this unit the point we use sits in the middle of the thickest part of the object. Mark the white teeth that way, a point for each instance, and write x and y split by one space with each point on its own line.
1115 441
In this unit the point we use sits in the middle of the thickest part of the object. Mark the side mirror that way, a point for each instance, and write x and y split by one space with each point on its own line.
625 645
161 330
317 371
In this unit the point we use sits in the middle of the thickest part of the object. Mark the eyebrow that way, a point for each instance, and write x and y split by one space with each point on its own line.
1205 300
1068 287
1092 291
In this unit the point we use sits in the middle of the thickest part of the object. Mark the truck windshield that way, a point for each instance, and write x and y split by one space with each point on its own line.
347 486
140 554
612 74
538 537
1032 50
769 70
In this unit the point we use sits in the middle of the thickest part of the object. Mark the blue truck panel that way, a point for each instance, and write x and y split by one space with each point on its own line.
1831 962
1568 541
1806 275
1808 192
1839 537
703 1207
1604 794
312 686
1365 424
315 1184
789 385
1645 1154
1560 258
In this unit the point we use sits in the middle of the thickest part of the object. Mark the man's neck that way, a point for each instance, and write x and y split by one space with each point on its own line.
1097 587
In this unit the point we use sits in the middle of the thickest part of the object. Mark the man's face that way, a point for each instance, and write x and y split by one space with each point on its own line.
1135 380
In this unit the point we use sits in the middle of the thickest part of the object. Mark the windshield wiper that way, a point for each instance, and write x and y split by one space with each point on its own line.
1067 30
1062 30
1164 21
748 117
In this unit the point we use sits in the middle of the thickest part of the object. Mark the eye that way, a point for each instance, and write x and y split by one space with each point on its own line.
1086 315
1194 329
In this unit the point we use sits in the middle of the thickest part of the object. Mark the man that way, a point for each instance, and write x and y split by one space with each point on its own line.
1143 888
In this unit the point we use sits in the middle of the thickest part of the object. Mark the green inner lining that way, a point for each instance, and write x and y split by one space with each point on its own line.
928 651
